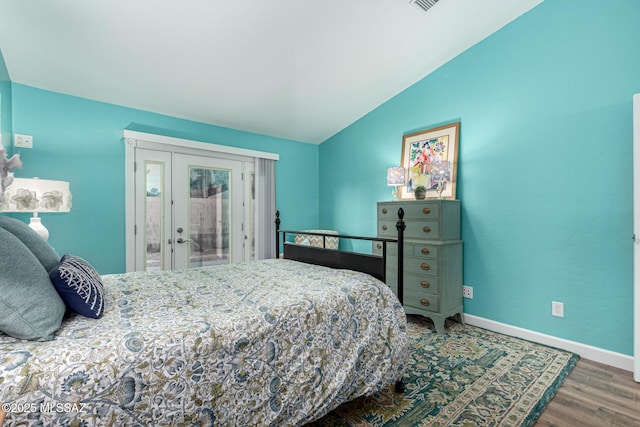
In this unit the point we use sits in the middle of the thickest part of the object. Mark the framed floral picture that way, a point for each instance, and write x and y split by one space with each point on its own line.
430 158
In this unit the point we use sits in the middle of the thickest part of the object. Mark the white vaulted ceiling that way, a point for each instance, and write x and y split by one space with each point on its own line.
296 69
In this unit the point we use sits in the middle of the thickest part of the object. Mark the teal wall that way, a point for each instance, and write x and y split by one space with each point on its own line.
545 167
79 141
5 106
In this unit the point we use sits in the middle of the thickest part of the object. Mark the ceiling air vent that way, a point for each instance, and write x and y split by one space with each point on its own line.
425 4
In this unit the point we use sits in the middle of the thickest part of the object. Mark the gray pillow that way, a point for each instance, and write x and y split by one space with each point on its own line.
30 307
45 253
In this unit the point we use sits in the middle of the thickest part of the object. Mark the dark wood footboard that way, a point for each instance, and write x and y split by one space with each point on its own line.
371 264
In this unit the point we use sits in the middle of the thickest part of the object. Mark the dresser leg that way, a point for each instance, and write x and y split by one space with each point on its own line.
439 324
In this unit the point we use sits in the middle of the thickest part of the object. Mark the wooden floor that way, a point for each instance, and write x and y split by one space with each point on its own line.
594 395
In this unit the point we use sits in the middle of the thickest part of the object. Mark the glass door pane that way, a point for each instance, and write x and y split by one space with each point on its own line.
153 210
154 216
209 216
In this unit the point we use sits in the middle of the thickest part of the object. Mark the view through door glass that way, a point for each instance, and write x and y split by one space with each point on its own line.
153 210
208 212
209 216
154 231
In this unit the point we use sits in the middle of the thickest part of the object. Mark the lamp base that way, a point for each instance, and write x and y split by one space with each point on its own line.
440 188
36 225
394 193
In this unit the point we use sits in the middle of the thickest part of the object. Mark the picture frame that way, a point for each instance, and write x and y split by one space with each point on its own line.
425 151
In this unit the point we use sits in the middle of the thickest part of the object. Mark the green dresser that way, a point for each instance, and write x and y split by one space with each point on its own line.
432 256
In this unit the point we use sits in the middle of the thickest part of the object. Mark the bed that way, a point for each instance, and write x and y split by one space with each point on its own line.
273 342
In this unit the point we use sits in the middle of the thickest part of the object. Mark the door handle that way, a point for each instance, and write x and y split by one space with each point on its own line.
181 240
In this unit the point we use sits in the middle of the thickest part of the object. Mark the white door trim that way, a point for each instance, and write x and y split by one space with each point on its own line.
133 139
636 236
187 143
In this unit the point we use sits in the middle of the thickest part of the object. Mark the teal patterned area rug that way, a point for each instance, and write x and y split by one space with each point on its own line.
466 377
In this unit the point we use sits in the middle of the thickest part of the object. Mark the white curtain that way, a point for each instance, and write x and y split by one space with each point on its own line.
265 209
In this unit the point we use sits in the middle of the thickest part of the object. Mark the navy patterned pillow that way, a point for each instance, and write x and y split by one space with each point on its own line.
79 285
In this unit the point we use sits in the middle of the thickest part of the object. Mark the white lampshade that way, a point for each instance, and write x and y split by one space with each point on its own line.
37 195
395 176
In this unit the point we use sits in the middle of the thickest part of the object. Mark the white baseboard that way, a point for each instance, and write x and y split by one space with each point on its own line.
596 354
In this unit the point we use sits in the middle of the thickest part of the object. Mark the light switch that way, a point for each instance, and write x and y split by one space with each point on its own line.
23 141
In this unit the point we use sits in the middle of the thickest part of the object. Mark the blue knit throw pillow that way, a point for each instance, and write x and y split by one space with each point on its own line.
79 286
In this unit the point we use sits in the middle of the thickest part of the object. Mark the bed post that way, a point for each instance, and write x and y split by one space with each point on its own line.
277 234
400 226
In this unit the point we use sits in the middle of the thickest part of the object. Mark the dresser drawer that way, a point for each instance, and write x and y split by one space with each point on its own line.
376 248
414 229
421 300
420 250
428 266
421 266
392 248
412 210
410 249
414 282
426 251
387 228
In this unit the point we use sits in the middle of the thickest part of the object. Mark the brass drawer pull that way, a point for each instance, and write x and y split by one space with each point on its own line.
425 266
379 246
425 251
384 227
384 210
424 284
426 229
424 302
426 211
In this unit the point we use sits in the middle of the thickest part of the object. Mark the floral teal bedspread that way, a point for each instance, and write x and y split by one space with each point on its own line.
272 342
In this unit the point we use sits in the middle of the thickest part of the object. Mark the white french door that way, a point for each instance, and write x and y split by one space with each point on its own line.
208 211
189 210
190 203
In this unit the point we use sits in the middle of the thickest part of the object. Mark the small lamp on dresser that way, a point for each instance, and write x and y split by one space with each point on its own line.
37 196
395 178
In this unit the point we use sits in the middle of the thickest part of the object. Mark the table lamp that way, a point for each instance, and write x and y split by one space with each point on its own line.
395 178
37 196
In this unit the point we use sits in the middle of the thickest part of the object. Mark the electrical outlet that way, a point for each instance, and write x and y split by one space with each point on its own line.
467 292
557 309
23 141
